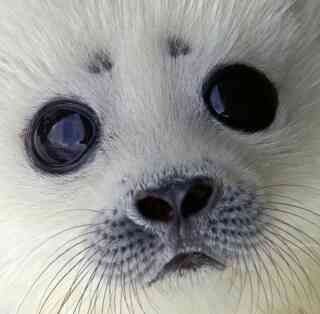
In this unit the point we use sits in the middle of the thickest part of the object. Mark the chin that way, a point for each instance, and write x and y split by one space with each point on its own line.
160 157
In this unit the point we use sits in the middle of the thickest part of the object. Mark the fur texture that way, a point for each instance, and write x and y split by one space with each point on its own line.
154 121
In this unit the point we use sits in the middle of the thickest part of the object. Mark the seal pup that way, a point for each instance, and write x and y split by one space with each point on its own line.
159 156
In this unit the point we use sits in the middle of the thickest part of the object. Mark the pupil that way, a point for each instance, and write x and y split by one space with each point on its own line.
63 137
235 100
68 131
66 139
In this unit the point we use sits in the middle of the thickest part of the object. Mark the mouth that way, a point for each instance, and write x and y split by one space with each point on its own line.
188 262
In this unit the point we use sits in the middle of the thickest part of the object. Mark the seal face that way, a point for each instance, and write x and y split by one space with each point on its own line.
186 218
145 143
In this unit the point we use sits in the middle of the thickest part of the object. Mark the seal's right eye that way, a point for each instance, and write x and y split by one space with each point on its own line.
62 135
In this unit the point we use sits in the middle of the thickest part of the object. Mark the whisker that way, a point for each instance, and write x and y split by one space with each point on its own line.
131 295
284 241
304 248
45 270
122 286
291 254
80 276
292 271
237 272
289 185
137 290
128 294
96 294
247 275
282 196
52 237
269 303
104 289
285 212
260 283
89 282
43 303
117 278
278 269
66 211
309 211
108 284
147 298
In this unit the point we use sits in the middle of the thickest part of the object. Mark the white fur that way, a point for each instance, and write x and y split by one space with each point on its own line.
151 102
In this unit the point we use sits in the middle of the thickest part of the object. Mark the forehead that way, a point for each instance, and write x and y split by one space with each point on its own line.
229 29
92 18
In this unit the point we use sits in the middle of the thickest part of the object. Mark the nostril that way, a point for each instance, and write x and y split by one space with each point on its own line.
196 198
154 208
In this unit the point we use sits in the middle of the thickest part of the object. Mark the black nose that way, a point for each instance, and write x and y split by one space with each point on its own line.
184 198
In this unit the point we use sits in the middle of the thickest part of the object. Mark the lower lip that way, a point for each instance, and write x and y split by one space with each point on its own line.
184 263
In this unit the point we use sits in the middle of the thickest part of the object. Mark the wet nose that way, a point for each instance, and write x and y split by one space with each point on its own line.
179 198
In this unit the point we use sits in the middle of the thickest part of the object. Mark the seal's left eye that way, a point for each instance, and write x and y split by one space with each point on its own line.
63 134
241 97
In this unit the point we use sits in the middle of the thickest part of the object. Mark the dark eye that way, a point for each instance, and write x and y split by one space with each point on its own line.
241 97
62 135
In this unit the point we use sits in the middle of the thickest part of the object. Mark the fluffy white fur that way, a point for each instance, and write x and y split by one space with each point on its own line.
151 103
